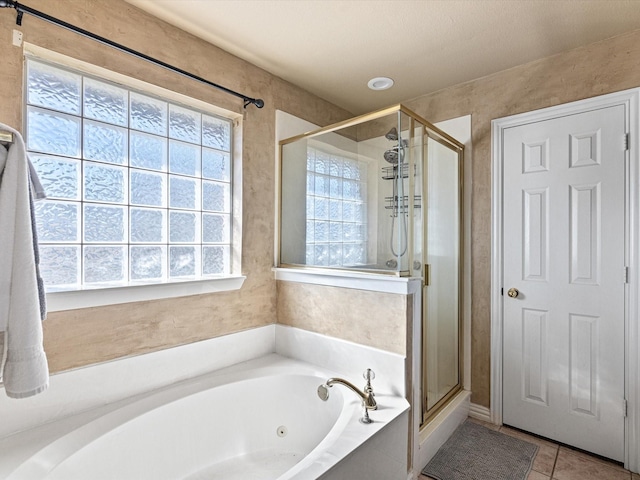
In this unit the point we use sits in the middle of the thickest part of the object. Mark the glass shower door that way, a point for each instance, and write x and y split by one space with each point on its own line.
441 291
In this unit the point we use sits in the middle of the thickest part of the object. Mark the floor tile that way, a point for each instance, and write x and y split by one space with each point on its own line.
547 451
603 461
545 459
572 465
635 476
527 438
537 476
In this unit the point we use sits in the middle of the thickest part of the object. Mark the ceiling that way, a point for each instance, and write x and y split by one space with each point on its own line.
333 47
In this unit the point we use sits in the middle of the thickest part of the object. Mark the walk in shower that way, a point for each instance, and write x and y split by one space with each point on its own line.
382 194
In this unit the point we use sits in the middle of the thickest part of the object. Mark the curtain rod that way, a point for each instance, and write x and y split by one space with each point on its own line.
22 9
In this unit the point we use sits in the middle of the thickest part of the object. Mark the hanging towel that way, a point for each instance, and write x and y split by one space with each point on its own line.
23 366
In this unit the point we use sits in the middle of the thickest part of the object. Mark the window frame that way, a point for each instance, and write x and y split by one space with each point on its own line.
97 295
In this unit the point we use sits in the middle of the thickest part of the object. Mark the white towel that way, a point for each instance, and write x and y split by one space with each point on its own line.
23 365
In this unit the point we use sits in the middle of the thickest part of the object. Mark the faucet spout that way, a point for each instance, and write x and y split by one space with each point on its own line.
366 395
368 399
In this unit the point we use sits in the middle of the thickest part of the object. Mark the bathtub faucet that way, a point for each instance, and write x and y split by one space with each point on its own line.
367 395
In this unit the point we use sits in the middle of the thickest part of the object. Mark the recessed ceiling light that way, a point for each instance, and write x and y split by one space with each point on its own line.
380 83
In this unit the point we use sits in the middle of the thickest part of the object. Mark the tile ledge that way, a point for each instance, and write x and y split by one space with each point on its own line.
345 279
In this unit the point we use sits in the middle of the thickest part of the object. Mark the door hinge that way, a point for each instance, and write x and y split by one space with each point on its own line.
626 141
624 407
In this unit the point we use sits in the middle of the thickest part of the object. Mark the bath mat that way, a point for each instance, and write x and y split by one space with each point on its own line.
475 452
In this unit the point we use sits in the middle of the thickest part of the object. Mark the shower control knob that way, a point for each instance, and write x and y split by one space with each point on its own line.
369 375
513 292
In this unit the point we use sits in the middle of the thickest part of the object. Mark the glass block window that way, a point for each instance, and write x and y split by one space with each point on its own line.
139 187
336 209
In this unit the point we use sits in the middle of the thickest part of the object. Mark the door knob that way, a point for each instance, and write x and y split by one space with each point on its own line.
513 292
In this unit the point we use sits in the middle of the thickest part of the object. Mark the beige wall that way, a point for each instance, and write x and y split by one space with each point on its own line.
87 336
375 319
596 69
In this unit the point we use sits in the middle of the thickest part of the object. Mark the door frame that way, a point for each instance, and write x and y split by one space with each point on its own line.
630 99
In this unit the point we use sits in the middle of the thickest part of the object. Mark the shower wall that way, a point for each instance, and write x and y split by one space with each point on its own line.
80 337
381 186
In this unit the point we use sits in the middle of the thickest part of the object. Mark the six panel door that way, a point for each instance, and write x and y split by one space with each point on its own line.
564 254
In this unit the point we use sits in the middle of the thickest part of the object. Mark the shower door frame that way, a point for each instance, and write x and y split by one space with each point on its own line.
455 146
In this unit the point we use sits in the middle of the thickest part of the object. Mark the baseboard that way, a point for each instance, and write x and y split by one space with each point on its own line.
479 412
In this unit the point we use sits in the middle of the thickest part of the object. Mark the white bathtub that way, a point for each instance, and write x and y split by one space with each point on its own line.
259 420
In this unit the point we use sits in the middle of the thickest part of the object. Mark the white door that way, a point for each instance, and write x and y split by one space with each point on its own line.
564 251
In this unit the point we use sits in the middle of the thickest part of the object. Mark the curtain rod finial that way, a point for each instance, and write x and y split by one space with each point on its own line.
258 102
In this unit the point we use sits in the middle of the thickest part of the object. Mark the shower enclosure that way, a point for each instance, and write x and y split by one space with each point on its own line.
381 194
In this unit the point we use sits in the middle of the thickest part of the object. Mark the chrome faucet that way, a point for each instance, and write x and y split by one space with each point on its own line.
367 395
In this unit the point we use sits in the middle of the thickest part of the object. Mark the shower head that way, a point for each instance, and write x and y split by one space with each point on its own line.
391 155
392 134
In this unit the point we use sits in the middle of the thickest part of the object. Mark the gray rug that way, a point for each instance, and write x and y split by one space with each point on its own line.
475 452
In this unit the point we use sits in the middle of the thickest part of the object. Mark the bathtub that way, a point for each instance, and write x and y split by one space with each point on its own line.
259 420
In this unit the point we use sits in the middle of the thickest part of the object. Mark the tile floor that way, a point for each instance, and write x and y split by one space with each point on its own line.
561 463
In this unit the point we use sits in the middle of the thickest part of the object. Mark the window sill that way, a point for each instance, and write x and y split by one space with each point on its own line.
96 297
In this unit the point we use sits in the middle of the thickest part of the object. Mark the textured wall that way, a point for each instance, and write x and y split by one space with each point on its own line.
596 69
87 336
380 320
